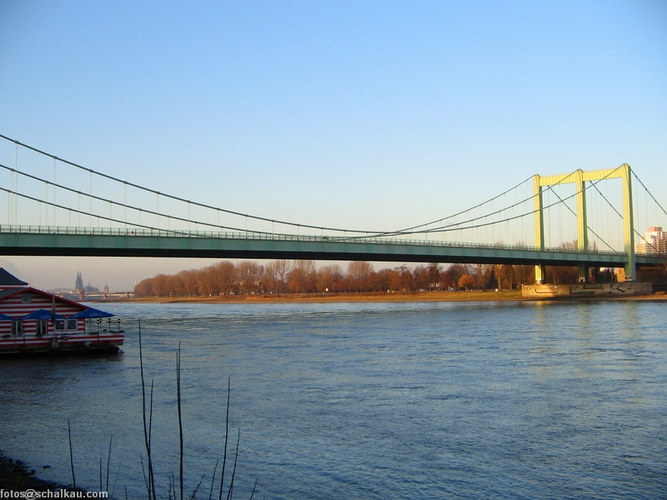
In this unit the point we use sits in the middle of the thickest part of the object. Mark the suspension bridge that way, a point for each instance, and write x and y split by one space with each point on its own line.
96 214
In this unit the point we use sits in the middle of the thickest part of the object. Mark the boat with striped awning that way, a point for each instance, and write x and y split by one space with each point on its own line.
33 321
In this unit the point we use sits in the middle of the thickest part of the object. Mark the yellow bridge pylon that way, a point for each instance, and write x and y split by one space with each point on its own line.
579 177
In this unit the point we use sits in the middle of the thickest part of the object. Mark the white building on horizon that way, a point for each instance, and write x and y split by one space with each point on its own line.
653 241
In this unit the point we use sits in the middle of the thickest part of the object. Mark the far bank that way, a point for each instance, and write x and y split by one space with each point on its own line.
436 296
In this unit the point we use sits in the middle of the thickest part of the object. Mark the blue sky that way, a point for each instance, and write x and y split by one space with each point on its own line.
357 114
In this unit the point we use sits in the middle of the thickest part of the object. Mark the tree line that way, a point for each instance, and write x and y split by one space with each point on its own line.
283 276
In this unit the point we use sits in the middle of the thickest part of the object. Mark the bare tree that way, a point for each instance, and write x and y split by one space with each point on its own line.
433 275
524 275
382 280
506 276
249 276
402 279
420 278
144 288
467 281
479 275
206 282
175 285
497 270
275 276
456 271
358 273
302 278
328 276
189 279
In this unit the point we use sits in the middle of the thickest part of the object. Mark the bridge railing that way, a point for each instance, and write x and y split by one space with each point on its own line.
178 233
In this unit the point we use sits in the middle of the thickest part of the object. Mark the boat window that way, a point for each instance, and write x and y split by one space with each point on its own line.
17 327
66 324
41 328
26 298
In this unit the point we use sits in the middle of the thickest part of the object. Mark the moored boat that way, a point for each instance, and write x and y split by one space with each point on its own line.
33 321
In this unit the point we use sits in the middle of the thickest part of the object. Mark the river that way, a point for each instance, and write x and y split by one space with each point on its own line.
356 400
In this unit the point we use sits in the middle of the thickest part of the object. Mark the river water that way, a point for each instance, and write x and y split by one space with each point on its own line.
409 400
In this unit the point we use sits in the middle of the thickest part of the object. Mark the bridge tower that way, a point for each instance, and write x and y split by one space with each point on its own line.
579 178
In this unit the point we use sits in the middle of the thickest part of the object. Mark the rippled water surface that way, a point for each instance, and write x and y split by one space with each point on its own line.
414 400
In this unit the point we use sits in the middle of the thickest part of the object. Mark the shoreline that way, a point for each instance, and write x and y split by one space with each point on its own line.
16 476
471 296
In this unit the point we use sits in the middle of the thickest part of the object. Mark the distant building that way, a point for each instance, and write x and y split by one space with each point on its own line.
653 241
78 286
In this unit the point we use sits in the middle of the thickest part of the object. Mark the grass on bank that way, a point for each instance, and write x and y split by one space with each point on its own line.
439 296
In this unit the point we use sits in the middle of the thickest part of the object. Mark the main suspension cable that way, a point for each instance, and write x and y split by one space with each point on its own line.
362 233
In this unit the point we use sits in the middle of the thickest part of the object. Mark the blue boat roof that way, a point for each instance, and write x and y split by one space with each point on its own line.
8 279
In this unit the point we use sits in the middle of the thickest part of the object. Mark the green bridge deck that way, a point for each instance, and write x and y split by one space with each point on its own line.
122 242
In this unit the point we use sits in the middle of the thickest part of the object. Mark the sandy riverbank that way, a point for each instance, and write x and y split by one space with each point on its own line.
342 297
472 296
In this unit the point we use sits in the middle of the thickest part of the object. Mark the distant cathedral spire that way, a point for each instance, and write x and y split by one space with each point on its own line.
79 282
